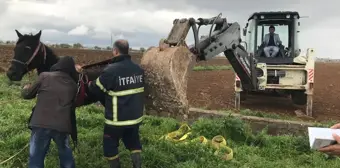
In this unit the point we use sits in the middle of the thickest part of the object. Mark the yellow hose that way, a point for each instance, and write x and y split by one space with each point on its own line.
181 134
218 142
201 139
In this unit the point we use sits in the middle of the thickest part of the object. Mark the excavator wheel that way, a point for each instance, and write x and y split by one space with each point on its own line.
299 97
166 78
243 95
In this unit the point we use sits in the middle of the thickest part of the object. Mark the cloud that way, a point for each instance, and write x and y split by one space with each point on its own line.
79 30
3 7
95 19
144 22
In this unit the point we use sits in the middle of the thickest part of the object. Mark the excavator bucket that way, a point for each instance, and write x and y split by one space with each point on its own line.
166 73
167 66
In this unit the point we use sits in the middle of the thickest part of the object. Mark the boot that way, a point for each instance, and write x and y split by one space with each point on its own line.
136 160
114 163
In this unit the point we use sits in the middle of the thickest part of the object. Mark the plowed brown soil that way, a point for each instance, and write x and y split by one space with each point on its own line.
215 89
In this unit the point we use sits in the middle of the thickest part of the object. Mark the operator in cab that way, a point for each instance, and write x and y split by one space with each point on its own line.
271 42
120 88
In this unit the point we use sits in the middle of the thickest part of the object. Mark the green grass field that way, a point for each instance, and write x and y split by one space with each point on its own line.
255 151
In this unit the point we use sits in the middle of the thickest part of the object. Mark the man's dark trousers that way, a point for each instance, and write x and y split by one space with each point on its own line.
39 145
130 138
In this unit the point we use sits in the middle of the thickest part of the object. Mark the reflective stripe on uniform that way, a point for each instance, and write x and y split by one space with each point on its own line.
136 151
112 158
100 85
124 123
115 104
126 92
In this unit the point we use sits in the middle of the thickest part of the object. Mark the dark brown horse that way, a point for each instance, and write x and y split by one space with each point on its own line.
30 53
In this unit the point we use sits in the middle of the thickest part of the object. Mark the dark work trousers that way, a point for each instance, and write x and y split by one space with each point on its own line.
112 135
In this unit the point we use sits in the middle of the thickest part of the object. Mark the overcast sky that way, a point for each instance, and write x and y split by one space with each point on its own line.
144 22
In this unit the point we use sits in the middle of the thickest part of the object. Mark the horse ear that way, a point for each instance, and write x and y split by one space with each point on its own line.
38 35
18 33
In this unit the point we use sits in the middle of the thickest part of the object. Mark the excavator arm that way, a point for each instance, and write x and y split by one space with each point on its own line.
225 37
168 65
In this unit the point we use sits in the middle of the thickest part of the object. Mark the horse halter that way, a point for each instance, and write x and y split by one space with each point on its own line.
26 64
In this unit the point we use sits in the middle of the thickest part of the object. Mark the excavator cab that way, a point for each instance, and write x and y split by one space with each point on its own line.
290 72
286 26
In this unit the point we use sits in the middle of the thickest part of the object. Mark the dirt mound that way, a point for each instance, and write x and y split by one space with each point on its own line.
3 69
166 78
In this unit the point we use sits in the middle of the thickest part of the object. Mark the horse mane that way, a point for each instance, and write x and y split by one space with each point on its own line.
49 51
92 70
51 59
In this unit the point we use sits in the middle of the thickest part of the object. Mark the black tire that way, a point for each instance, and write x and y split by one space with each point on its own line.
243 95
299 97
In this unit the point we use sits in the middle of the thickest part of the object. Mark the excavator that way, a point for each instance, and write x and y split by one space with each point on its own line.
289 72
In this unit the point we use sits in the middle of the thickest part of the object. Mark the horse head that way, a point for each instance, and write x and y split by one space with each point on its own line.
29 53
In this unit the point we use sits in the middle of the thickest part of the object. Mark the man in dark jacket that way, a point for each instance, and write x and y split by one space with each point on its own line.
120 89
52 114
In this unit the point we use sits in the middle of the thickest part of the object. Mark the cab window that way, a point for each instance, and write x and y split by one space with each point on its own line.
282 30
